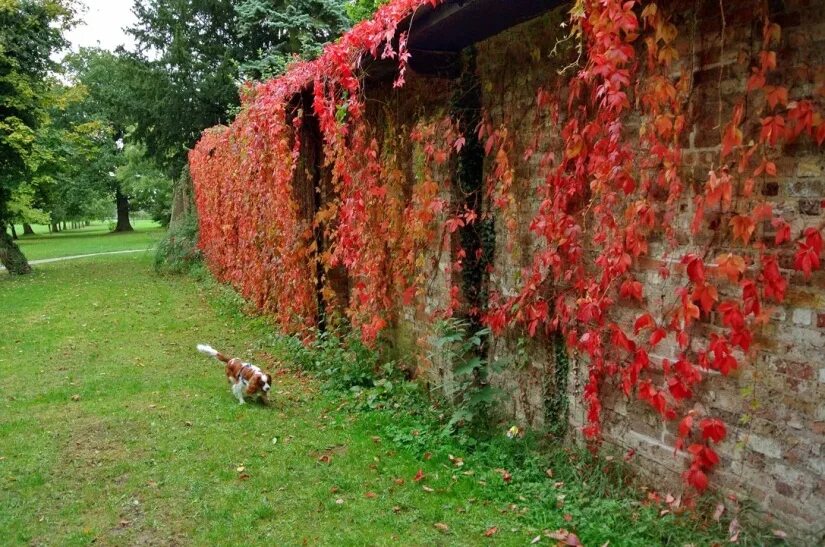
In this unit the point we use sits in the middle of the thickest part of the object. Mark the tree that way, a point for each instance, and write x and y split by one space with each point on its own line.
30 31
283 29
123 93
358 10
194 53
146 185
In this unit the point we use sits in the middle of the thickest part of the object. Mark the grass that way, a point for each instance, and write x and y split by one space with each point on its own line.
151 450
114 431
96 238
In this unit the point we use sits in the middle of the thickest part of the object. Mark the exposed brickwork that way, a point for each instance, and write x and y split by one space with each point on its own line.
774 407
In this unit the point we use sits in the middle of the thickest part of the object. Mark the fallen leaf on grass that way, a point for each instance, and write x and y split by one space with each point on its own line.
491 531
535 540
187 424
568 517
458 462
370 495
325 458
443 528
396 509
398 481
427 489
243 476
240 469
781 534
548 472
124 523
720 508
733 530
339 501
75 397
570 539
428 455
419 476
505 475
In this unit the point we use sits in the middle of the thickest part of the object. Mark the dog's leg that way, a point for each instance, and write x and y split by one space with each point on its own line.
237 390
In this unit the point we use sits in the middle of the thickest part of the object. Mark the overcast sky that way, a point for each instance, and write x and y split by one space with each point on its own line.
103 24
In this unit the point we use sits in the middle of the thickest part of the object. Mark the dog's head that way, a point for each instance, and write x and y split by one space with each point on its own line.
266 382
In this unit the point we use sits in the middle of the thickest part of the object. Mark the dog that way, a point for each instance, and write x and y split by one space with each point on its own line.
246 379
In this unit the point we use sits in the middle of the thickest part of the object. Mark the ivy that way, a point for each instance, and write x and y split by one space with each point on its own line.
610 200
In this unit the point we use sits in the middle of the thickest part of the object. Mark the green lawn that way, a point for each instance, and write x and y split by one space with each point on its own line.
113 430
155 450
96 238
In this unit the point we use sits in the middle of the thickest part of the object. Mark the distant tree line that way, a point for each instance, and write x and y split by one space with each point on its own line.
109 131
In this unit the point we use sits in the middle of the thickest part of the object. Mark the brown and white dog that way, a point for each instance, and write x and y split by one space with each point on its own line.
246 379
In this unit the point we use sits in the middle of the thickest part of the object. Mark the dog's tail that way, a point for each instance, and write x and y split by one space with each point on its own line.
209 350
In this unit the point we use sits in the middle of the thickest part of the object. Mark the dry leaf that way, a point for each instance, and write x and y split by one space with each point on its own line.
491 531
243 476
780 534
370 495
428 455
396 509
733 531
443 528
419 476
549 472
427 489
325 459
559 535
720 508
240 469
458 462
535 540
75 397
568 517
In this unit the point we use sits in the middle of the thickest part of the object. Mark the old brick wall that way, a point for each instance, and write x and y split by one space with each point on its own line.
395 114
775 405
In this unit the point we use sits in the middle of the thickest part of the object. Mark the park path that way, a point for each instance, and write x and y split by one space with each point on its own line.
72 257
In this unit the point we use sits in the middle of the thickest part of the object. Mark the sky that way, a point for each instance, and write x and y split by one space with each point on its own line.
103 25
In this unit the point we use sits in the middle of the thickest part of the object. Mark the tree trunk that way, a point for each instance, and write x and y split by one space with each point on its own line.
183 200
55 227
13 232
10 255
123 224
64 225
27 229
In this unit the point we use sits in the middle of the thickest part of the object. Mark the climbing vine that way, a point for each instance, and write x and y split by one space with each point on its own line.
610 203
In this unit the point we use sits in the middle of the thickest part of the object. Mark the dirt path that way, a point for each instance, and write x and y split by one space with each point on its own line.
60 258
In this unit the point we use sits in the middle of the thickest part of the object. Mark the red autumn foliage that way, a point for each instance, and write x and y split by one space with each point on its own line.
602 200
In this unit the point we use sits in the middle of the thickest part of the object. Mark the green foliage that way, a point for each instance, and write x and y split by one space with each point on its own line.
146 185
458 345
22 207
282 29
177 252
30 31
358 10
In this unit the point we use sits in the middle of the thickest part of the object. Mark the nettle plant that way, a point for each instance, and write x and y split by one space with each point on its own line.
609 201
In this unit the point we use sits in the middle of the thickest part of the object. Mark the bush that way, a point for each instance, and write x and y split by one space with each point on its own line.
177 251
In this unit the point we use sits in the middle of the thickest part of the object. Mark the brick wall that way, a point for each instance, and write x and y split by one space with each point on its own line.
775 405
